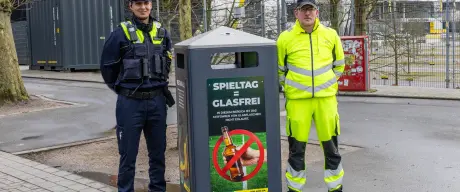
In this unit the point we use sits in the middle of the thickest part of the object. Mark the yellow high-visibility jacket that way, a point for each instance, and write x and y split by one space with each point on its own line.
309 65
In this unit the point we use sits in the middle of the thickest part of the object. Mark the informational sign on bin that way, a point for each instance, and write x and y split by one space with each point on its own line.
183 127
237 134
355 76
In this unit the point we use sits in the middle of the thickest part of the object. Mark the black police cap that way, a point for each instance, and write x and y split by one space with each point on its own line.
301 3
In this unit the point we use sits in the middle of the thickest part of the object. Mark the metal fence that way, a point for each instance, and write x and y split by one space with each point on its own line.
257 18
410 42
411 45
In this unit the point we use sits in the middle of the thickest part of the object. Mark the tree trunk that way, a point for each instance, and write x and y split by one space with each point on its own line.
334 9
360 15
185 19
209 13
11 85
396 44
362 10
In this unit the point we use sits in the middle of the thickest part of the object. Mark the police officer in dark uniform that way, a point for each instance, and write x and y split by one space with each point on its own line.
135 64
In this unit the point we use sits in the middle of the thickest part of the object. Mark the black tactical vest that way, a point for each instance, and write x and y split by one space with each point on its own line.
144 59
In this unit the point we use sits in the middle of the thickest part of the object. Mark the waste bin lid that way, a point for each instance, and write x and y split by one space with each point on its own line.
223 37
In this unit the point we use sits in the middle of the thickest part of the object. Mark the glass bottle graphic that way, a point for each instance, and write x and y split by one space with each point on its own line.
236 170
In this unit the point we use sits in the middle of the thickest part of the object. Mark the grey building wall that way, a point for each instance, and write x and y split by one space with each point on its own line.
20 27
85 25
21 41
70 34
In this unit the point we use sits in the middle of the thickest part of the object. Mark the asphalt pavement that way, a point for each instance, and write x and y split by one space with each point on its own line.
90 119
406 144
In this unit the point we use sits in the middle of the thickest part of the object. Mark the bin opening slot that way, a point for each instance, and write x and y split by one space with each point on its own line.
232 60
180 60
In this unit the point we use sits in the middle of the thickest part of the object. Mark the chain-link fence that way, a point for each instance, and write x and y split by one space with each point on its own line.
410 42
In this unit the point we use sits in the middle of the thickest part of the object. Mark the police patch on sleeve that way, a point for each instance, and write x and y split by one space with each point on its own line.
169 54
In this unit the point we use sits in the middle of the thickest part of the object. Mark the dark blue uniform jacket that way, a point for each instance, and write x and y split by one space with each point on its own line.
115 48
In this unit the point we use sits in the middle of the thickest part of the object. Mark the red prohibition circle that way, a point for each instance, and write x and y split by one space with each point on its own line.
252 138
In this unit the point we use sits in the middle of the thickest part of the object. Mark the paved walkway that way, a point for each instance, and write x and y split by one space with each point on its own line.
19 174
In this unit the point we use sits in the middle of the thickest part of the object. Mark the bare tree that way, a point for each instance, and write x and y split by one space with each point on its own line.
363 8
400 43
334 16
334 13
185 19
11 85
223 14
169 10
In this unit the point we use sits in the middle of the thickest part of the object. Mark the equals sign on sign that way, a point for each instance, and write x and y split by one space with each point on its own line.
236 93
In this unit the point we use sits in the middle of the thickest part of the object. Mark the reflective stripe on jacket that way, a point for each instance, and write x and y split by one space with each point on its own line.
309 64
140 34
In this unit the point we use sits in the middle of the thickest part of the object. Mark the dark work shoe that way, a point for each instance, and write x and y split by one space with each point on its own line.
337 190
290 190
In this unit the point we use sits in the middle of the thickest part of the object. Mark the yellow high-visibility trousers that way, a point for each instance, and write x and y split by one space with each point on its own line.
299 115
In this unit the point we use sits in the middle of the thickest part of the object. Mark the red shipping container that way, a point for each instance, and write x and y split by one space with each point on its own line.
355 76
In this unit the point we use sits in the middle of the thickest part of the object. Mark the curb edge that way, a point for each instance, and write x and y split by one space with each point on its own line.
71 144
399 96
363 94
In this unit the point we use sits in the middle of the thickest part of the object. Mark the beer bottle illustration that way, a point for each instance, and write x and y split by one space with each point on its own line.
236 170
